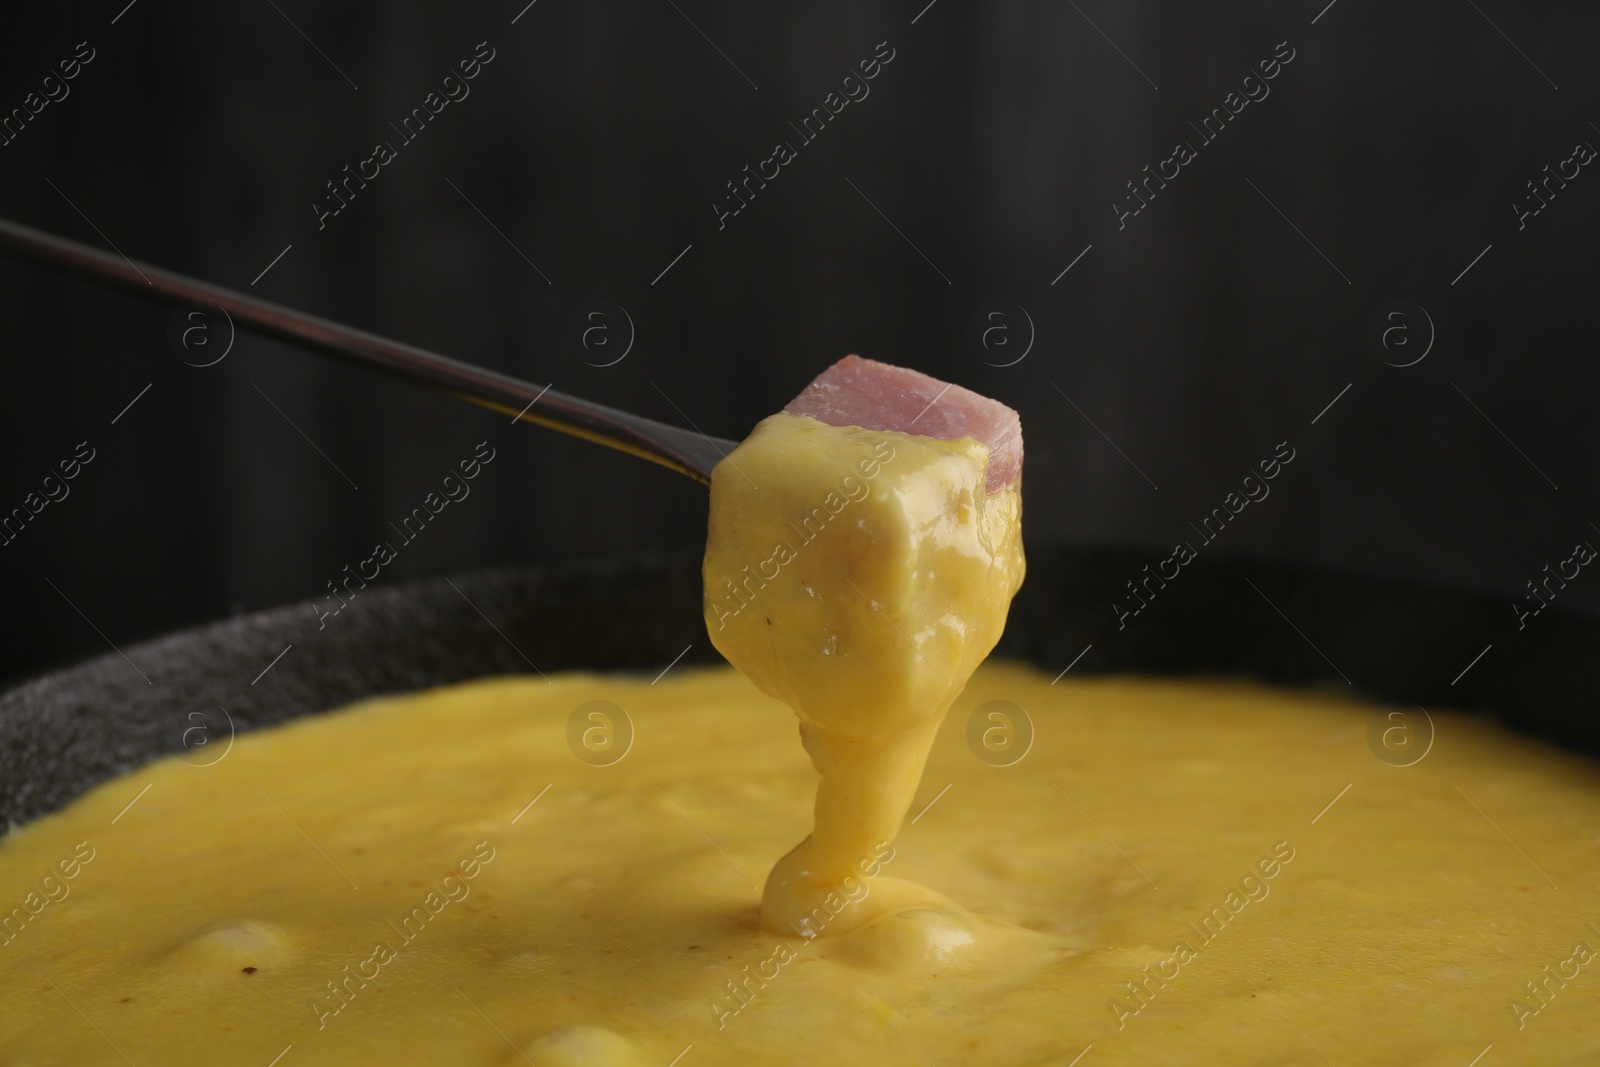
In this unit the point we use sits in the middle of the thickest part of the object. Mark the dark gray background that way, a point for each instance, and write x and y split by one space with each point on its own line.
1196 339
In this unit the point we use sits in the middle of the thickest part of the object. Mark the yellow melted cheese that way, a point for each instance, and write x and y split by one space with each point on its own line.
616 920
861 577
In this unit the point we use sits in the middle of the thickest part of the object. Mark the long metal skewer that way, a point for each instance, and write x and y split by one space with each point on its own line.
686 451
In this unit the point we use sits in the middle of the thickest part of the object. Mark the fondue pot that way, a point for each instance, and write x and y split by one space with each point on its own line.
1411 647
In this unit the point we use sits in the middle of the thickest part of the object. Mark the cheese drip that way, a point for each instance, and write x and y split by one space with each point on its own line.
859 576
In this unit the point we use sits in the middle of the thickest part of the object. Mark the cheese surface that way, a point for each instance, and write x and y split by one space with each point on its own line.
1161 877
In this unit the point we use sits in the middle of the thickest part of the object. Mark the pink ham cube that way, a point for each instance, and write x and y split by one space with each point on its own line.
880 396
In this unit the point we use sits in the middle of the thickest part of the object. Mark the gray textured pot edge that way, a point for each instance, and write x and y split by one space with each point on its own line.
62 733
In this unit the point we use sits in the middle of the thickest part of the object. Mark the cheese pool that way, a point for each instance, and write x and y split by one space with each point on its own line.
1160 879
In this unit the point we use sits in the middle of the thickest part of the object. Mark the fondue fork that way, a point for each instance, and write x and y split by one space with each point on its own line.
685 451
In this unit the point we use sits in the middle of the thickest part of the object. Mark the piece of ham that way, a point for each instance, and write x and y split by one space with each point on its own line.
880 396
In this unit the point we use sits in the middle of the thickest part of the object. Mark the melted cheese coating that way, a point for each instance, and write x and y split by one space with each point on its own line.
615 921
860 576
